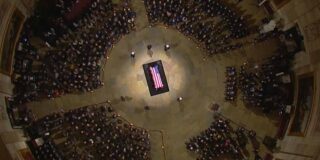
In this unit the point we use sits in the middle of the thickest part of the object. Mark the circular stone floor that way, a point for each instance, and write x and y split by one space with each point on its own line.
200 82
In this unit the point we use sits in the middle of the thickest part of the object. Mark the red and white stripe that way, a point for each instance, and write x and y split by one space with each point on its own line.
156 78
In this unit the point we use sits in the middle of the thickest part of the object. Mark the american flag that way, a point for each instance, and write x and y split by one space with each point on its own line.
156 77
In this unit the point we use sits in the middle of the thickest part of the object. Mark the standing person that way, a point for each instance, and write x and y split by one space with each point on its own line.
166 47
146 108
256 155
133 54
239 1
149 51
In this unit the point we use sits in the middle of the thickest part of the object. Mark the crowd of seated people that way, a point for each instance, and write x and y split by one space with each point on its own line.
52 19
213 24
74 65
262 86
44 149
93 132
231 84
221 141
25 55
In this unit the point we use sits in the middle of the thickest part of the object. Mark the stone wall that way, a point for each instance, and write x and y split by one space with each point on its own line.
305 13
4 153
25 6
12 140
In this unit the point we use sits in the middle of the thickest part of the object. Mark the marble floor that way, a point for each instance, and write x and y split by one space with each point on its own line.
199 80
